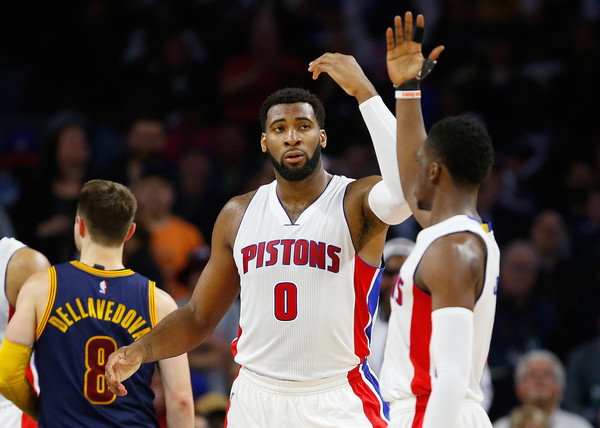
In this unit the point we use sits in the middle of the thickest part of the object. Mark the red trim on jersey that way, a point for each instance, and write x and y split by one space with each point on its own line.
420 337
11 311
27 422
363 278
234 350
420 411
371 403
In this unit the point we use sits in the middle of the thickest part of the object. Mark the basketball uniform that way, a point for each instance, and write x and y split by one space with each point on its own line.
10 415
89 314
408 370
307 307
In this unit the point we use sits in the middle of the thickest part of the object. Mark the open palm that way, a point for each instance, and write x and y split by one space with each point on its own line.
404 56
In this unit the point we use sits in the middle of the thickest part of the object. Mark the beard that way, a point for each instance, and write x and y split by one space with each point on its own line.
297 173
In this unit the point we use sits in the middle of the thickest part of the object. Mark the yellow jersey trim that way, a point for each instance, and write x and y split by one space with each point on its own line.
49 303
152 298
100 272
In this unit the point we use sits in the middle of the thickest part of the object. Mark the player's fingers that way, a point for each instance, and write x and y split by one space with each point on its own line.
408 26
435 53
389 39
398 30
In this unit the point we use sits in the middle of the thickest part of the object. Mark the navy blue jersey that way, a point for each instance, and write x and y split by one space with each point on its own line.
89 314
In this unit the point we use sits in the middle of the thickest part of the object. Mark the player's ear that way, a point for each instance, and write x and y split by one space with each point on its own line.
263 142
80 224
323 138
130 232
434 171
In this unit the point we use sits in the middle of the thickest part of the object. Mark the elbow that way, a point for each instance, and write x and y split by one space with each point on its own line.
180 404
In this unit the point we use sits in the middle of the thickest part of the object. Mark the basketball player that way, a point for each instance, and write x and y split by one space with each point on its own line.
305 252
444 300
75 314
17 263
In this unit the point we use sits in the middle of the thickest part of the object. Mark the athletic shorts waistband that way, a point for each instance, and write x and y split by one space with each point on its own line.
288 387
419 404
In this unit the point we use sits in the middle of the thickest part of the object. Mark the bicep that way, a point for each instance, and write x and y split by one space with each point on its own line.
22 326
218 284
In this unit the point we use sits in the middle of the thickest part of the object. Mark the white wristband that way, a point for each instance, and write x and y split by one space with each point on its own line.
414 94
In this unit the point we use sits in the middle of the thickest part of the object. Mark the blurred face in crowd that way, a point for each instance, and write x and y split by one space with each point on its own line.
146 138
72 149
549 233
518 270
540 385
155 197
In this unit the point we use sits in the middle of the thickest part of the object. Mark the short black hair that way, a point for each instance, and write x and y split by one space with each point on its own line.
291 96
465 147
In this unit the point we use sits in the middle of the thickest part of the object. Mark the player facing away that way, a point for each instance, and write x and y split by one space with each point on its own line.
73 315
444 300
17 263
304 253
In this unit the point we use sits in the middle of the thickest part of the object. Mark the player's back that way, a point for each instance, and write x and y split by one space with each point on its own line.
89 314
408 371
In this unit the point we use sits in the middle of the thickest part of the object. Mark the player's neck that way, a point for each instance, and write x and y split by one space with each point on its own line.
303 191
110 258
451 203
296 196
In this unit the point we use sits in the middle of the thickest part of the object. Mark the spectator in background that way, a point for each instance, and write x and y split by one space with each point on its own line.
525 320
550 238
44 214
395 252
145 142
137 253
540 382
199 194
246 79
213 407
172 238
583 380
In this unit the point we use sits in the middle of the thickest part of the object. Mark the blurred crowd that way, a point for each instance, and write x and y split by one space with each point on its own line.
163 96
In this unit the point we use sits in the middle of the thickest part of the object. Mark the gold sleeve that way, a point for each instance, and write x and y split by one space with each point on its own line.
14 359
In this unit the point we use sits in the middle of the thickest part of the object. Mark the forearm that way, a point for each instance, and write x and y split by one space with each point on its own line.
177 333
411 133
14 359
451 347
386 198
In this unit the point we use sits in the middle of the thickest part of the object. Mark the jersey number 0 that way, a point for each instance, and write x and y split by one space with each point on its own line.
286 303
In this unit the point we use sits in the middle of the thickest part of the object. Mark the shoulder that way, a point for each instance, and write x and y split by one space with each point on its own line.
165 304
35 290
235 208
230 217
363 185
466 247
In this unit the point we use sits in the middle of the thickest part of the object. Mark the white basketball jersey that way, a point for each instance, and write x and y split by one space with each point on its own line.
307 299
8 247
408 367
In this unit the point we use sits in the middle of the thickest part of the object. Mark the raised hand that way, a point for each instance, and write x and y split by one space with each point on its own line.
121 364
346 72
404 57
